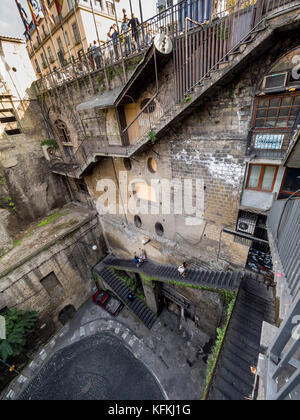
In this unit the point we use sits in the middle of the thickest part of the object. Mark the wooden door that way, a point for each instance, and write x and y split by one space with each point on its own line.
130 115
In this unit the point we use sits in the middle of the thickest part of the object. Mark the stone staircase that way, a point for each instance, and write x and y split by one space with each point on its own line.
217 280
233 62
221 73
229 281
233 379
137 306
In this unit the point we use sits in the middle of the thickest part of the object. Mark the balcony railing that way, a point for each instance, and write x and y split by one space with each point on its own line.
283 372
175 22
284 223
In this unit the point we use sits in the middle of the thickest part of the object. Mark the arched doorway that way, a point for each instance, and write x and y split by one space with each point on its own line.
66 314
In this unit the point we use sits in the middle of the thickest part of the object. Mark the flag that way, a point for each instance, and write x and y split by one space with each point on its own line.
47 12
34 18
24 18
59 5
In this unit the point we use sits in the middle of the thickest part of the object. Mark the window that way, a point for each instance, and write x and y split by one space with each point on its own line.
63 132
43 61
52 285
76 33
51 58
60 45
150 108
44 31
276 112
261 177
98 3
110 8
268 141
64 137
275 80
38 69
67 38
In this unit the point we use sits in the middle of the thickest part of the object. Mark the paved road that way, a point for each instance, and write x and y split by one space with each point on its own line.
99 367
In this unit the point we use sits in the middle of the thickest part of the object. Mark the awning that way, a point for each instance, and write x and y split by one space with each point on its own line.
104 100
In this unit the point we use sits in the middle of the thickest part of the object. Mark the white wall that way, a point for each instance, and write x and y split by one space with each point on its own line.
14 55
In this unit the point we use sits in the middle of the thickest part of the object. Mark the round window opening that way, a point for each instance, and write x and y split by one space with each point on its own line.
127 164
159 229
152 165
150 108
137 221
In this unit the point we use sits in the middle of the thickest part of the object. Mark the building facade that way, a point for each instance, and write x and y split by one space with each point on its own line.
220 140
83 22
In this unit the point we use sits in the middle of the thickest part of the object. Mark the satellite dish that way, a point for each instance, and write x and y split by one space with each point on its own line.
163 43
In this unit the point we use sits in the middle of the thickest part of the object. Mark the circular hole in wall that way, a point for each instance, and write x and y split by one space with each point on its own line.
137 221
127 164
152 165
159 229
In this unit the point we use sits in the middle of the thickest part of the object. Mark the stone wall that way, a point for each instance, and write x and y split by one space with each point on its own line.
209 144
28 190
57 275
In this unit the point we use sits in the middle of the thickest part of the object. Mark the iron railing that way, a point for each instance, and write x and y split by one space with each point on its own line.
282 380
232 22
199 49
284 223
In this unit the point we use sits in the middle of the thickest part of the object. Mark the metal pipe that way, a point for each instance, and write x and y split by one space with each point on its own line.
244 235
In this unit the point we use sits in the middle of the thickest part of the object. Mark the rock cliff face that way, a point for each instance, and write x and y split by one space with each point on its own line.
28 189
6 242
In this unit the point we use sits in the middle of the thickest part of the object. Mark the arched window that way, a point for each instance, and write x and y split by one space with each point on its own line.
62 131
65 139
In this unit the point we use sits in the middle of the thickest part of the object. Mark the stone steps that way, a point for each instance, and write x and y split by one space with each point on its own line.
219 280
137 306
233 378
174 112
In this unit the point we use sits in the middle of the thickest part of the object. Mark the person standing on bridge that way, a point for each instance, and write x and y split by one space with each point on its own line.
182 269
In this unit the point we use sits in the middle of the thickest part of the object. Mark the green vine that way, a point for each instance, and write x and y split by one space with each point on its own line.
152 136
187 98
229 300
50 143
10 203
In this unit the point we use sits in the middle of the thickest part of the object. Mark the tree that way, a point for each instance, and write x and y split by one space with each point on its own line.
18 325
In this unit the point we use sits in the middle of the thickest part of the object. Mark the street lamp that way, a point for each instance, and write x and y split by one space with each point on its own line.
92 247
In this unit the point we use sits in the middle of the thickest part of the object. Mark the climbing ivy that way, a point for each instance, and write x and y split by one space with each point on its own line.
152 136
230 299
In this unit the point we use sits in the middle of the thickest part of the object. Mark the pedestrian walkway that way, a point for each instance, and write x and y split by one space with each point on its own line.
218 280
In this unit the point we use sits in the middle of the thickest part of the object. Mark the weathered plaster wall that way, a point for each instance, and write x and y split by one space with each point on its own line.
209 145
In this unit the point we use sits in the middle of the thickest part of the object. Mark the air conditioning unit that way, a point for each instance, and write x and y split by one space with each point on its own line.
275 81
247 224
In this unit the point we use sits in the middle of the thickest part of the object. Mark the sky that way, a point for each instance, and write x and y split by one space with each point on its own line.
11 23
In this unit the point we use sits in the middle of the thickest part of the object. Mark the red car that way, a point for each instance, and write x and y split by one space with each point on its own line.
108 301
